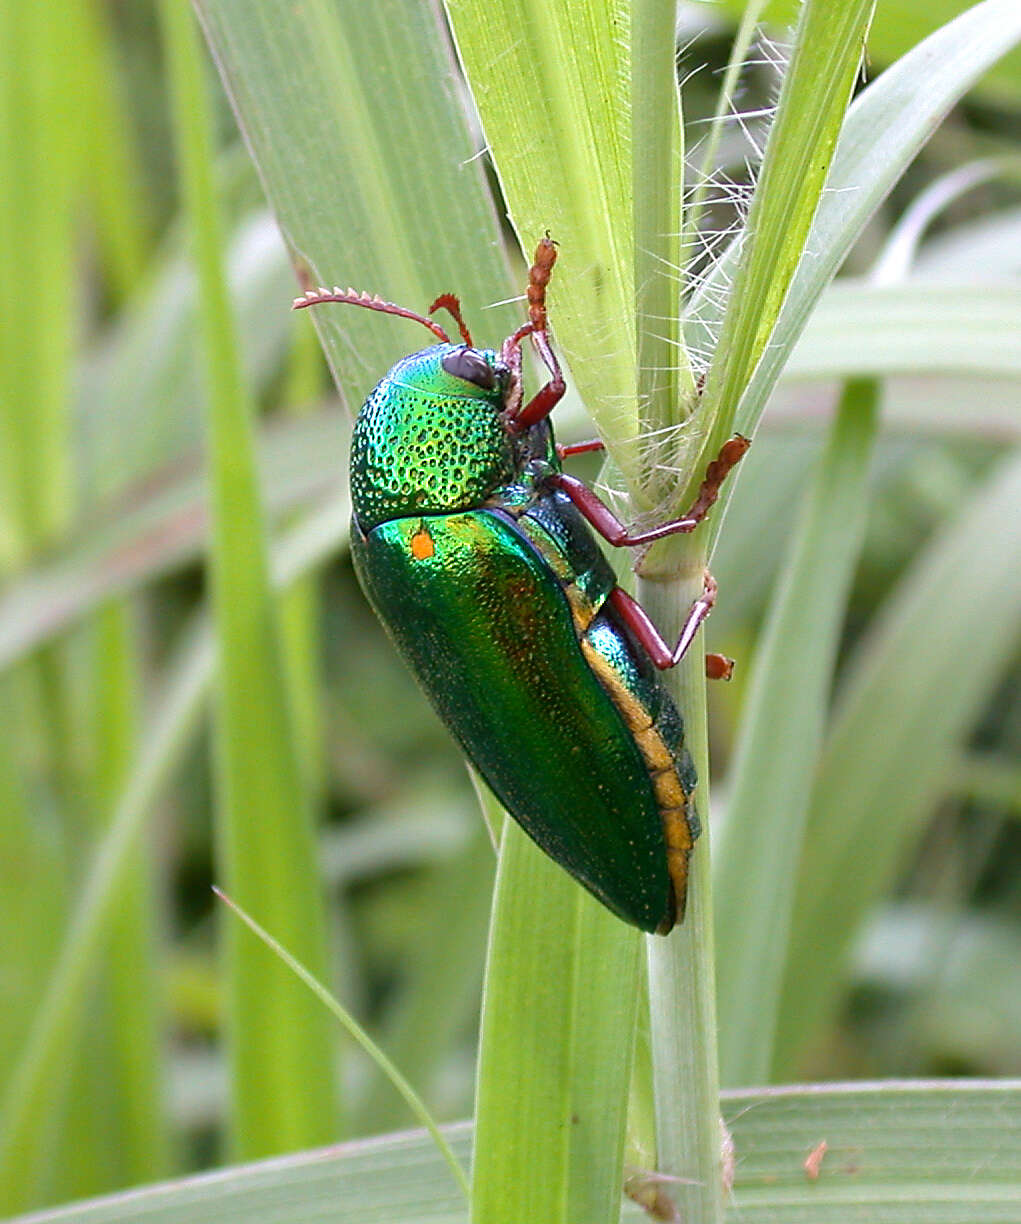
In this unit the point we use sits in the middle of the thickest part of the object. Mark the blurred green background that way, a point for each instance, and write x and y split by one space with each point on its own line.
103 528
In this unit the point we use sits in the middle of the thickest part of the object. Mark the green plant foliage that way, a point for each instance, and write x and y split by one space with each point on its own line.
279 1042
900 1152
195 692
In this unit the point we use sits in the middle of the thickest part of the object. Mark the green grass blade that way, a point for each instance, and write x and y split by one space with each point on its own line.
133 1069
557 1041
552 84
361 141
901 1152
913 328
816 90
40 156
28 1100
900 250
981 249
411 1097
281 1049
928 667
781 734
885 128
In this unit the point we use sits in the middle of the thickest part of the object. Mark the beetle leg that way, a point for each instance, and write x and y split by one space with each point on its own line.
718 666
602 518
538 278
731 454
649 637
580 448
547 397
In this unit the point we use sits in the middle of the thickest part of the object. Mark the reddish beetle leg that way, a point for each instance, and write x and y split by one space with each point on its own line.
603 520
548 396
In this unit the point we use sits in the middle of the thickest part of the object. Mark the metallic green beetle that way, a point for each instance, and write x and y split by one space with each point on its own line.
477 553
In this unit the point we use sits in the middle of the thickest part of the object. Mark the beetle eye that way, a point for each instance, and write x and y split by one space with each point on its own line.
466 363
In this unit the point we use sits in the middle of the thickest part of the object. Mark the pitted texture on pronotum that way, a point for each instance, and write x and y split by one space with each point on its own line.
428 442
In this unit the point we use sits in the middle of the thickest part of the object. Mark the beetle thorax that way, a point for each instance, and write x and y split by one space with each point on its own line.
427 443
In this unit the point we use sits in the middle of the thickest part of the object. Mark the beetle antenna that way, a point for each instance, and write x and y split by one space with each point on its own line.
449 302
352 297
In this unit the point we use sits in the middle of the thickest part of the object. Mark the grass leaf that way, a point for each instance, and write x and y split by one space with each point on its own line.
557 1040
928 665
943 1153
280 1045
781 733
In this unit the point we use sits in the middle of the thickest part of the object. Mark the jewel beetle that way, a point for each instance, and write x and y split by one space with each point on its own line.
479 554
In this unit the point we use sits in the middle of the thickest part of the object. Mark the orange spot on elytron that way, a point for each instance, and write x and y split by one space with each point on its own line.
422 545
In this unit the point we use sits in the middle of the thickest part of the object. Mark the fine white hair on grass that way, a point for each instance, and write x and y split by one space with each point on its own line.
769 51
717 198
720 198
518 297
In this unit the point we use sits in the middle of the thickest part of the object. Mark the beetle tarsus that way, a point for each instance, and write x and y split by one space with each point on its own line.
602 518
564 451
718 666
649 637
538 278
731 454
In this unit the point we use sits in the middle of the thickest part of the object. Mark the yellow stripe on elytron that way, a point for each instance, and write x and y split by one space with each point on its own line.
670 797
678 850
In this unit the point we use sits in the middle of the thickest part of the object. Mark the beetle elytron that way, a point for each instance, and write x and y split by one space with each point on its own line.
477 552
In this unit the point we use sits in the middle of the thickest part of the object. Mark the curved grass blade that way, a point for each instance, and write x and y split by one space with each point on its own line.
817 86
929 665
25 1108
158 530
885 127
943 1152
781 733
913 328
411 1097
154 348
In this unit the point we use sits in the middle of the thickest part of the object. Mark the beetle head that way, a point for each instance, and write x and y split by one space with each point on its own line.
431 439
